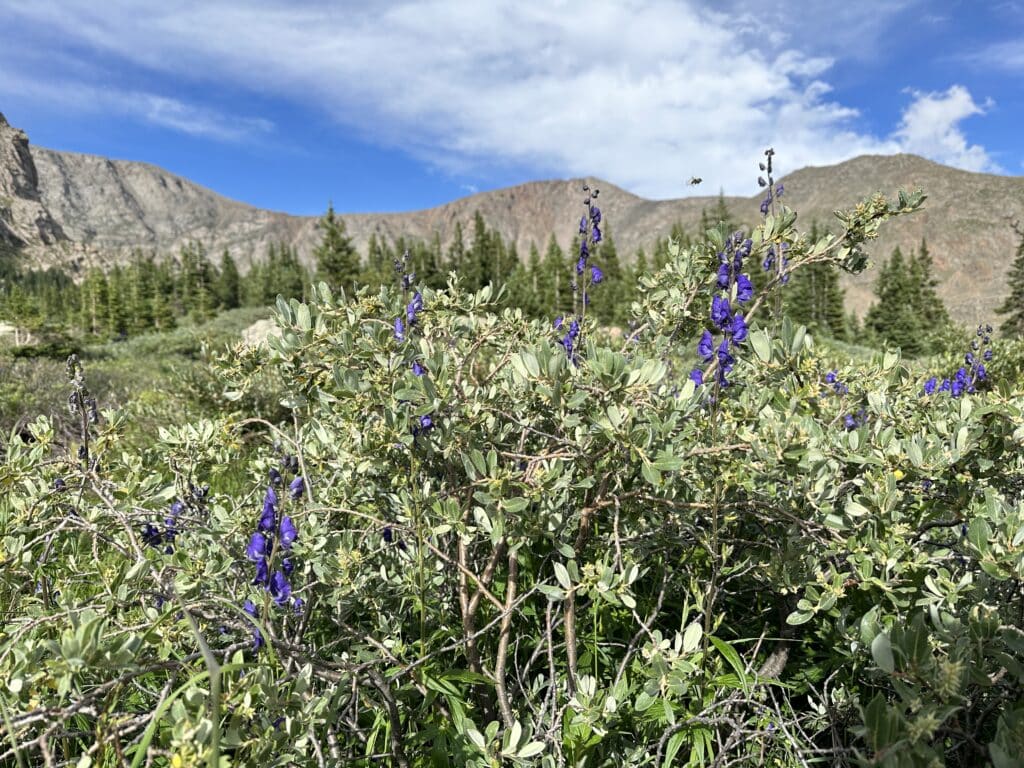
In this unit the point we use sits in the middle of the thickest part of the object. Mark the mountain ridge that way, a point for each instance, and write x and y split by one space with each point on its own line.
78 210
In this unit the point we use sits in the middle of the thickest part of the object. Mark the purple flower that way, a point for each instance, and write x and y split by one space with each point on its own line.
581 265
415 306
275 477
426 422
249 607
595 236
288 532
596 275
849 421
720 311
929 386
267 517
595 214
388 534
706 346
583 224
584 250
558 322
298 606
980 371
765 205
723 276
262 572
280 589
744 288
830 377
779 189
296 488
399 330
287 566
257 548
417 369
738 328
987 355
725 360
697 376
151 535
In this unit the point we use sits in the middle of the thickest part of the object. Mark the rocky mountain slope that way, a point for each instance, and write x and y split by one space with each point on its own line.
78 210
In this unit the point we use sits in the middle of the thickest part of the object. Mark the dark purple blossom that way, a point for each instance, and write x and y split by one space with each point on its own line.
399 329
596 275
720 311
706 346
738 328
744 289
417 369
288 532
262 577
697 376
257 548
280 589
296 488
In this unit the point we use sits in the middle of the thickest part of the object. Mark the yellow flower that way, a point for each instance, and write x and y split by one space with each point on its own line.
898 474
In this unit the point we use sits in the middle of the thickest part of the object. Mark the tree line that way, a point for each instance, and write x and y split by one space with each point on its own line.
150 294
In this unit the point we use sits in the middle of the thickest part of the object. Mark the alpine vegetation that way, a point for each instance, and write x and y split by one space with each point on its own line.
484 542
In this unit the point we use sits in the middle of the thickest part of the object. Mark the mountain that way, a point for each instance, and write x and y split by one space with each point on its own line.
80 210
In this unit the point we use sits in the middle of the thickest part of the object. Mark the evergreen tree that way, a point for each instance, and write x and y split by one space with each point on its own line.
1013 307
719 214
892 319
337 261
229 283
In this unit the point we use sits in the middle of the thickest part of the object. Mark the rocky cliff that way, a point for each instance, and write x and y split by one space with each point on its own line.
76 210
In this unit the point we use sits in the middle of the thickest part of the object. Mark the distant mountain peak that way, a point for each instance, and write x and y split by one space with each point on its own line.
75 210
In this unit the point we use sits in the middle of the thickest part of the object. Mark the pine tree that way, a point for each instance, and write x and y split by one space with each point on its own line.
892 319
1014 304
337 261
719 214
229 283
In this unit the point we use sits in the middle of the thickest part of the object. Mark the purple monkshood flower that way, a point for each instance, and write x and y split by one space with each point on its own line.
268 516
738 328
426 422
280 589
720 311
697 376
584 250
581 265
779 189
987 355
296 488
287 566
262 572
257 548
765 204
399 330
388 534
744 289
723 276
706 346
288 532
596 275
250 607
417 369
583 225
595 214
725 360
275 477
596 235
177 508
151 535
849 421
298 606
929 386
415 306
558 323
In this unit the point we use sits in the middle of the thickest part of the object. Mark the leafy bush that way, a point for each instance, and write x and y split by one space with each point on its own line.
477 540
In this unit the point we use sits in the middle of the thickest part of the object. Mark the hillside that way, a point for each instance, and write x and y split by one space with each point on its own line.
78 210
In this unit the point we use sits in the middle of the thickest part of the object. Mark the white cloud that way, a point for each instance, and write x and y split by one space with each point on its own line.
150 108
931 127
645 93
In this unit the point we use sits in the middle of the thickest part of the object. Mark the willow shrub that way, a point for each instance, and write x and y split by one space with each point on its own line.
498 555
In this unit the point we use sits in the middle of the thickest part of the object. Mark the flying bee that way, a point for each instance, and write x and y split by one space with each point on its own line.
695 180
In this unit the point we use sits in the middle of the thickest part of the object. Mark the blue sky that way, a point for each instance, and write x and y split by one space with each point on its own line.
391 105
